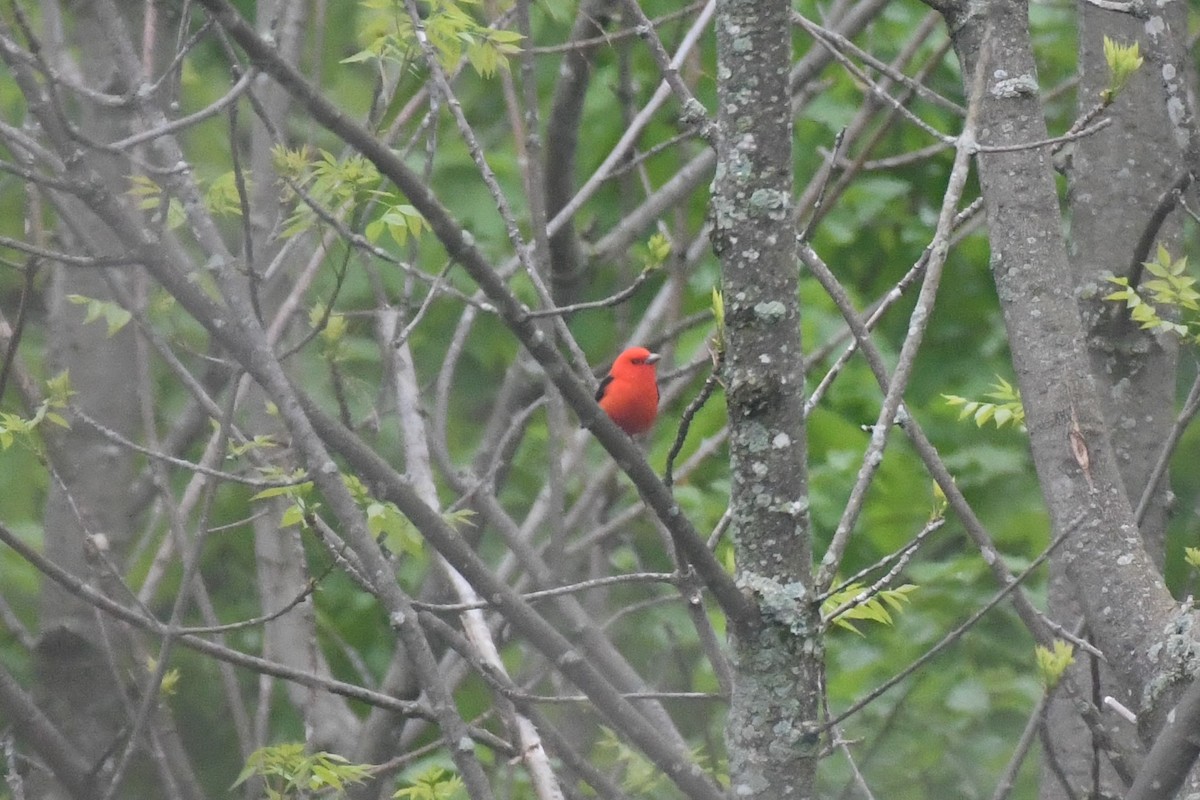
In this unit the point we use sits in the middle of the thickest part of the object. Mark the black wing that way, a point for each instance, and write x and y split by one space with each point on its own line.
603 385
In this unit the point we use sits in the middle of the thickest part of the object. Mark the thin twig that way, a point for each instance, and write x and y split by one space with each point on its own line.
618 35
114 436
919 321
831 163
949 638
1052 141
1034 620
634 130
18 328
689 413
1182 421
874 88
558 591
1007 779
898 161
902 556
830 39
66 259
872 591
242 84
608 302
693 113
254 278
1167 201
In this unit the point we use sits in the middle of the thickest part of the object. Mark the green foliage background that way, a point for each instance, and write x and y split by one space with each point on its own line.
945 732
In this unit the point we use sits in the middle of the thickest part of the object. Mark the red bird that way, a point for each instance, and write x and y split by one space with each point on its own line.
629 393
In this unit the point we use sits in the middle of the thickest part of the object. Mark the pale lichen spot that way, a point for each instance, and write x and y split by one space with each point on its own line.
1015 87
770 311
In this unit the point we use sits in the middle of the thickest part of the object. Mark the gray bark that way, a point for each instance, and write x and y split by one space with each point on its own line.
88 516
777 653
1134 370
1128 611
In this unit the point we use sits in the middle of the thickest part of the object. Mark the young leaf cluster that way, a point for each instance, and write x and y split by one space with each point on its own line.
221 197
1006 408
1192 556
641 778
150 198
1170 288
450 30
870 609
1053 662
1123 61
15 428
333 328
115 316
350 182
718 309
434 783
288 771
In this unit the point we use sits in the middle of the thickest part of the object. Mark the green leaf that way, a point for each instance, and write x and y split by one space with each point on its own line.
658 249
718 309
222 196
293 515
113 314
870 609
459 518
1007 411
1123 61
58 389
57 419
898 597
434 784
1192 556
289 771
1052 663
361 55
273 491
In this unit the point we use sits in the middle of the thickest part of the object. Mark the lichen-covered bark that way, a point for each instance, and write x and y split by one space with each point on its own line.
1127 607
777 653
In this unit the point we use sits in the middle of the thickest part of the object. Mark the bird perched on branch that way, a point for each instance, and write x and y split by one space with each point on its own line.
629 393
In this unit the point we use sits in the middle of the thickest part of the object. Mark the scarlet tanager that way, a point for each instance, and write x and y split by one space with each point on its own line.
629 393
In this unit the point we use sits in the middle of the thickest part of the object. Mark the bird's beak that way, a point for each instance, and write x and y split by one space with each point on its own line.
653 358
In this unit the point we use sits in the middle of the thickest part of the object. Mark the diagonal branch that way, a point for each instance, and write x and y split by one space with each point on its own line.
460 246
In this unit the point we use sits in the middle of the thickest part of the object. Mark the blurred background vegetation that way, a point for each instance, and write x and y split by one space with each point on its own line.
946 731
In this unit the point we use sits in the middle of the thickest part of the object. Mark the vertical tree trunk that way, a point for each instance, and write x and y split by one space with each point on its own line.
1072 448
771 728
1134 370
279 556
88 513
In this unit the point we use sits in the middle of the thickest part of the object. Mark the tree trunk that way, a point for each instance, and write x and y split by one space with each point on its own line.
771 730
88 518
1073 451
1134 370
